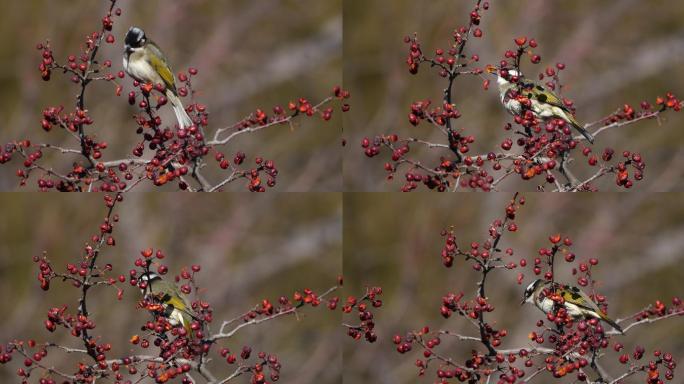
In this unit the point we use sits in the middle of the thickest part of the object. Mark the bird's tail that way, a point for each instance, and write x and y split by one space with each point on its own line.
612 323
184 120
580 129
186 324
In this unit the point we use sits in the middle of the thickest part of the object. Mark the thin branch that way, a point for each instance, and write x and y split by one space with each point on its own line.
85 80
222 334
535 373
86 283
233 176
60 149
625 375
647 320
602 171
459 336
38 364
238 372
135 359
217 141
618 124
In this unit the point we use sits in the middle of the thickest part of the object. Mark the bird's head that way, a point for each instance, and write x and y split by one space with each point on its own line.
504 76
531 289
146 279
135 39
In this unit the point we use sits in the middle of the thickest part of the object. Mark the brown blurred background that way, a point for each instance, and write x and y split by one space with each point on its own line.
616 52
250 54
394 241
249 250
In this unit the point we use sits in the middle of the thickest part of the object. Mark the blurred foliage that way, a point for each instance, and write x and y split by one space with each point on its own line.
394 241
616 52
249 250
250 54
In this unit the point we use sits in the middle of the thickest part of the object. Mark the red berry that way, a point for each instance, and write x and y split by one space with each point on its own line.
520 41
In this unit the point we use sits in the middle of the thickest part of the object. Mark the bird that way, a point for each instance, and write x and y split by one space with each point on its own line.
544 103
577 303
145 62
174 306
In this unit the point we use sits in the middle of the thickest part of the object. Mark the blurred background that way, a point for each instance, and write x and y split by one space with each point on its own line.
249 250
616 52
250 54
394 241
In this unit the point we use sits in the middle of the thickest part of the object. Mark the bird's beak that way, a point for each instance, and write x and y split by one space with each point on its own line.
491 69
128 48
523 301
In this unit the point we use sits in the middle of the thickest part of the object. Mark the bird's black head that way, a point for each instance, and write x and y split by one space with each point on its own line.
135 38
149 276
146 279
529 291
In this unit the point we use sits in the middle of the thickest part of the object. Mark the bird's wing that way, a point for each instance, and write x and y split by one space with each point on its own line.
160 65
575 296
177 303
180 302
534 90
174 298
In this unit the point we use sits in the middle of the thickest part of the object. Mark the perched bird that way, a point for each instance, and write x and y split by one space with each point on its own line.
145 62
174 306
577 303
544 103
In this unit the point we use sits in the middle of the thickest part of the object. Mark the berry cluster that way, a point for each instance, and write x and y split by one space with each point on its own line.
450 59
366 327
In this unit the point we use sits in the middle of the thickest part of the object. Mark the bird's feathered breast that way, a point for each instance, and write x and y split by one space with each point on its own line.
510 102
